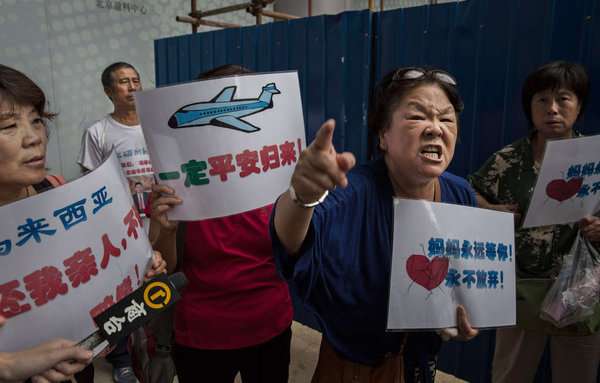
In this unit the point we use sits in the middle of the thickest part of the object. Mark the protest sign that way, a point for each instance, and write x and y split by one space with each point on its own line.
448 255
568 185
225 145
68 254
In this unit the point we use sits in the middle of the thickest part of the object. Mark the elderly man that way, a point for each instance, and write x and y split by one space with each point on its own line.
120 129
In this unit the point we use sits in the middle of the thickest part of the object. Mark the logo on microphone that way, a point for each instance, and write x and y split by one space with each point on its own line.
157 295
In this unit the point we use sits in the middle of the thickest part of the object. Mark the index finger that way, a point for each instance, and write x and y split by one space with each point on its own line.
162 189
324 137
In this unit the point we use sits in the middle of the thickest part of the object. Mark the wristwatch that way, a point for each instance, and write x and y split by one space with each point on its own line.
303 204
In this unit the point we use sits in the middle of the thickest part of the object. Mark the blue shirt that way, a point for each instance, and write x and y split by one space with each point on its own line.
342 274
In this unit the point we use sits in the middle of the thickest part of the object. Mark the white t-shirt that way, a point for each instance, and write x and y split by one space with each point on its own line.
129 143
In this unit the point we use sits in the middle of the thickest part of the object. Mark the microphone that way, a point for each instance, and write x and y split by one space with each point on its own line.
135 310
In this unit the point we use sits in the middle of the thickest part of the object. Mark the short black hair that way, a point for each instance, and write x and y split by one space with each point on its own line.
222 71
108 74
18 89
138 183
394 86
553 76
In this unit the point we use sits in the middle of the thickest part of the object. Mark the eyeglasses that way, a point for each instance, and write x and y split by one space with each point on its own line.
413 74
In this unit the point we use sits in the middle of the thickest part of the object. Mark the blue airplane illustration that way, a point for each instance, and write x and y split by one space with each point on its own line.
223 112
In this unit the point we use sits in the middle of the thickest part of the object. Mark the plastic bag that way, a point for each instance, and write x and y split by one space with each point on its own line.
574 295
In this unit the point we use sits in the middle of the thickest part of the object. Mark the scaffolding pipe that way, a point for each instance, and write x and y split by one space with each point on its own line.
194 26
210 23
218 11
255 7
275 15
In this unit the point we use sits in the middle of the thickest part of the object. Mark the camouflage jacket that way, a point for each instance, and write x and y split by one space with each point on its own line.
508 177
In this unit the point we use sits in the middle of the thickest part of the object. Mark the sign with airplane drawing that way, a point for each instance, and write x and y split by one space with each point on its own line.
225 145
223 111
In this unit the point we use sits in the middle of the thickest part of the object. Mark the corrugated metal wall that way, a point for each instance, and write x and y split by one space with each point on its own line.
490 46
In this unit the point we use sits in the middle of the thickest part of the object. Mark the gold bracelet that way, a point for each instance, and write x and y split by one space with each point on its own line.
305 205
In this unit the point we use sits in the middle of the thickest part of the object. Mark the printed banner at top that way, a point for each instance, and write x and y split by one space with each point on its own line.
68 254
568 185
448 255
225 145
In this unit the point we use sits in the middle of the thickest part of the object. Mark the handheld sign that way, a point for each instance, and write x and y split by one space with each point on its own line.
568 185
448 255
225 145
68 254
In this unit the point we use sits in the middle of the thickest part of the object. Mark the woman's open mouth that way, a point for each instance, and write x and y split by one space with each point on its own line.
433 152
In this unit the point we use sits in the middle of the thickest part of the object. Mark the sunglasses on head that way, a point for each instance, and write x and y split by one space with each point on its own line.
414 74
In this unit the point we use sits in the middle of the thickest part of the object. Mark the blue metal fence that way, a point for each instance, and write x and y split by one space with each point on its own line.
490 46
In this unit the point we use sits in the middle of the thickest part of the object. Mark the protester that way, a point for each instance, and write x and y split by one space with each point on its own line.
235 314
332 230
122 131
23 139
554 96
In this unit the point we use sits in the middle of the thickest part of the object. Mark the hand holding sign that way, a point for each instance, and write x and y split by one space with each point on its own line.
161 202
463 332
159 266
590 228
320 167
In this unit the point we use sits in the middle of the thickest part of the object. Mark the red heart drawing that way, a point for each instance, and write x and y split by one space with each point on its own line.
429 274
562 190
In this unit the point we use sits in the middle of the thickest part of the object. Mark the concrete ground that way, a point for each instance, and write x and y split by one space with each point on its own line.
305 349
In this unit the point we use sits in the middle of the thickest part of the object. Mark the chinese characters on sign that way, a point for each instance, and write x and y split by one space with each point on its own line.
248 162
68 254
448 255
568 185
472 278
46 282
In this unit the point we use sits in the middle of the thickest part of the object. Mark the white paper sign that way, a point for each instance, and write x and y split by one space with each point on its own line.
66 255
224 145
568 186
448 255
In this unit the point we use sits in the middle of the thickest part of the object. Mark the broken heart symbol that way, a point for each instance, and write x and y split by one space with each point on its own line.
562 190
429 274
